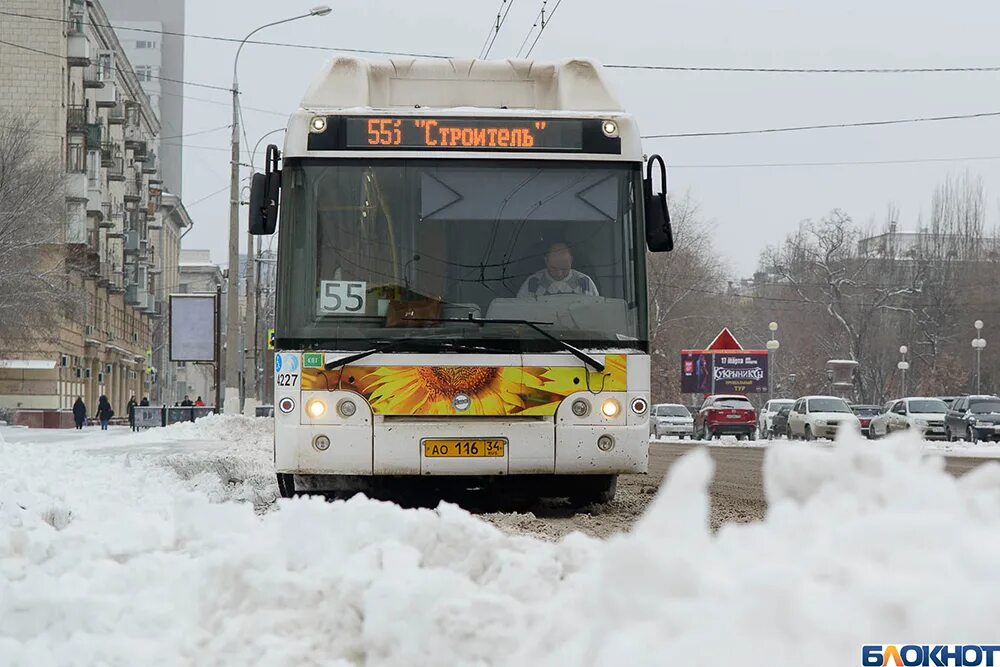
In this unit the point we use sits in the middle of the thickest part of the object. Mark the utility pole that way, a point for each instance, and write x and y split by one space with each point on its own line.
231 400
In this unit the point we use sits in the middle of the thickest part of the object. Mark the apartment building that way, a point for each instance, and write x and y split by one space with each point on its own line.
61 62
151 31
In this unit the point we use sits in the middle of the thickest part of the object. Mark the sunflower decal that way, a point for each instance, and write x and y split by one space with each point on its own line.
493 390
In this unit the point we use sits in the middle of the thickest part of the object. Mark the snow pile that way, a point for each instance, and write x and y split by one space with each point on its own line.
108 560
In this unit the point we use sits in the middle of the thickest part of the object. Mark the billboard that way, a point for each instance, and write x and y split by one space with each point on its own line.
726 372
192 327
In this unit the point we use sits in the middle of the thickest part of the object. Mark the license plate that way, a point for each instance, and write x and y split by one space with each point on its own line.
464 448
732 416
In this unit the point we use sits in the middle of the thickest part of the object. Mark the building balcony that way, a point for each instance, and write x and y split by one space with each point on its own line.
116 170
107 96
149 166
96 206
136 295
76 186
116 115
77 48
152 305
133 191
76 118
94 75
95 133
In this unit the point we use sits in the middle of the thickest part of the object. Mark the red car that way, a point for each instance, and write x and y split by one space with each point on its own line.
724 414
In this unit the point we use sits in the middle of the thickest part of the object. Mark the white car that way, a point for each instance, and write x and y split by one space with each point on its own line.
671 419
767 413
923 415
820 417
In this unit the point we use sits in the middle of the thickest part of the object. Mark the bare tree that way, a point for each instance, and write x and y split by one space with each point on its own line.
684 286
34 284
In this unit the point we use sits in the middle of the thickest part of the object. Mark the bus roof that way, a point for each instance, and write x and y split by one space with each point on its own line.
573 85
451 88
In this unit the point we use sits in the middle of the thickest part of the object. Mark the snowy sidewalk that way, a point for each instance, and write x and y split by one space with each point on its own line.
114 550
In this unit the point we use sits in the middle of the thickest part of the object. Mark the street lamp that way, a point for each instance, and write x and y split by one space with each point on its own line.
233 348
903 366
829 380
978 344
772 348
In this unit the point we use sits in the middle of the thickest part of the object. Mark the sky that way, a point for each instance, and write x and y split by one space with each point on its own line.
748 207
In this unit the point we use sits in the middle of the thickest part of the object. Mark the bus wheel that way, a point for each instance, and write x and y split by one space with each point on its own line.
286 485
593 490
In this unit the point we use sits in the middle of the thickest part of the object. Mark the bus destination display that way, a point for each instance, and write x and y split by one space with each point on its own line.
563 135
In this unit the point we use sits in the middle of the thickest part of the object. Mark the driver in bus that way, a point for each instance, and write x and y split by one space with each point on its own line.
558 276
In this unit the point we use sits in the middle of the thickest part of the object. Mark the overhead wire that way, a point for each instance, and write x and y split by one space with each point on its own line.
808 70
826 126
545 24
234 40
495 30
539 16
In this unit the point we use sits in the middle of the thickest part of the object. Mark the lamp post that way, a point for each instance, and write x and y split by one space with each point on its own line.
978 343
829 380
772 348
903 366
233 346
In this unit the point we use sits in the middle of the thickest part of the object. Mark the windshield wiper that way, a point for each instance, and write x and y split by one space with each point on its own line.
416 342
575 351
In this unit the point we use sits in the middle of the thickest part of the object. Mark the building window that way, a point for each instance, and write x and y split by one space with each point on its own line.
141 44
144 72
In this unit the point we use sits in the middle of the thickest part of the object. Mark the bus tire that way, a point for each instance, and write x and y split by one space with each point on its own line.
593 490
286 485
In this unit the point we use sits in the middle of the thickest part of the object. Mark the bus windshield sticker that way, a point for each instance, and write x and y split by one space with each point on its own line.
342 297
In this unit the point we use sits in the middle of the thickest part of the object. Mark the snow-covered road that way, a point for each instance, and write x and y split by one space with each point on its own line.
146 549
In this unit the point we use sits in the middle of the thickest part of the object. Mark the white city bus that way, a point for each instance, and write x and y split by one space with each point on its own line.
461 293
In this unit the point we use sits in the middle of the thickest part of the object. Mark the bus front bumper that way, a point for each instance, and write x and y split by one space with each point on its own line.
400 447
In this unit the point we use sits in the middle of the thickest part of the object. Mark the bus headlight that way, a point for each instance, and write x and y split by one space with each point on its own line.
347 408
315 408
318 124
580 407
610 128
639 405
610 408
605 443
321 443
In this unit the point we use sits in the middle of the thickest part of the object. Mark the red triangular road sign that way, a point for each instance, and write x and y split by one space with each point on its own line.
725 341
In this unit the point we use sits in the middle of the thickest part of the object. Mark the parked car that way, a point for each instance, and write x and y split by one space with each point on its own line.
726 414
820 417
924 415
865 414
948 400
671 419
973 418
768 412
779 422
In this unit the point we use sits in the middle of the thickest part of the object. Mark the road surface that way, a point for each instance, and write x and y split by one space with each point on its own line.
736 492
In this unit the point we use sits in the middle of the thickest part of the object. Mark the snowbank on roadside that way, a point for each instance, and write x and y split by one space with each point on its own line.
110 560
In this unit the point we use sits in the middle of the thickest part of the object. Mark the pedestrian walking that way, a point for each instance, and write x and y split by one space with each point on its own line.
104 411
199 403
79 413
186 403
144 402
131 413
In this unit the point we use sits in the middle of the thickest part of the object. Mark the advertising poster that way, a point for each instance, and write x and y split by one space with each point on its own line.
696 372
736 372
740 372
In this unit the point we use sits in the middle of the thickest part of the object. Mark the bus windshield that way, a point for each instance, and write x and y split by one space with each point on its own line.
390 249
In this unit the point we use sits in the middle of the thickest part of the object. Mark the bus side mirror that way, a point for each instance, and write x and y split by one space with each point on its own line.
264 194
659 235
